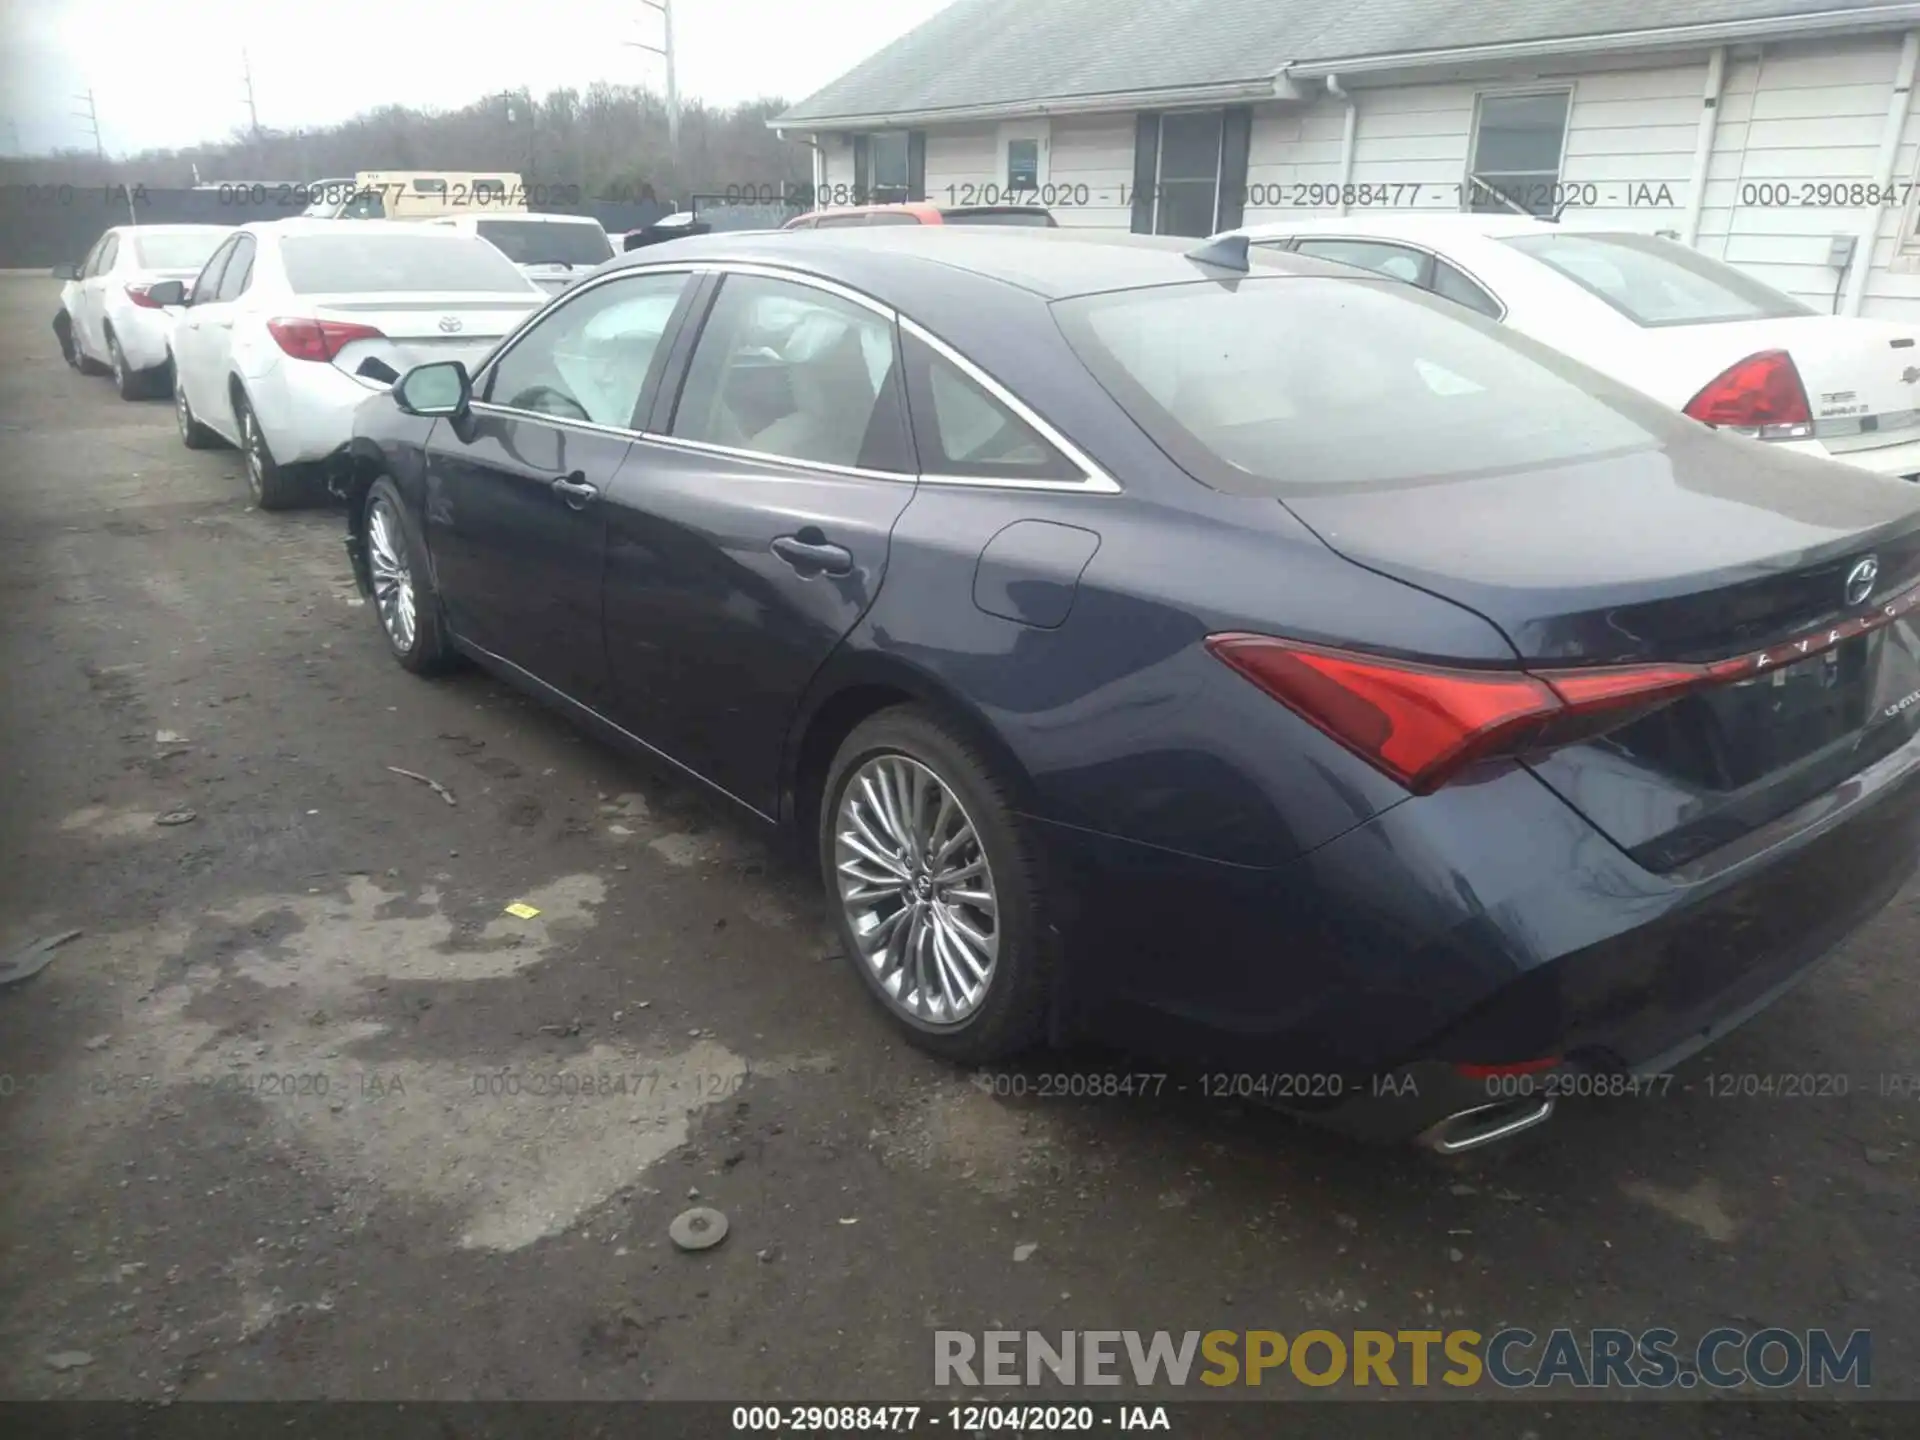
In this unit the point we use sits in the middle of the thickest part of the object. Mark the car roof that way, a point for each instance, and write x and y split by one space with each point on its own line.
315 225
1052 263
1412 225
181 228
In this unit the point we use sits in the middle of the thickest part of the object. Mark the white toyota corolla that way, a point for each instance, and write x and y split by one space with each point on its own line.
1694 332
293 323
108 319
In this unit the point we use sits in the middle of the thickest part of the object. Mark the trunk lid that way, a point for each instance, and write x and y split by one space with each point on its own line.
416 329
1706 549
1862 376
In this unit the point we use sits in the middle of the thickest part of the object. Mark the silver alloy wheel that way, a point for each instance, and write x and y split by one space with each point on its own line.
251 445
917 890
182 412
117 362
392 575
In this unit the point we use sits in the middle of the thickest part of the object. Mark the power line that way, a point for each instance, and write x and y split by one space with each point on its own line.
92 116
253 113
665 51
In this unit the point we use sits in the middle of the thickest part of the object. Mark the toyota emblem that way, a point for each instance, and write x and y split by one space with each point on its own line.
450 324
1860 580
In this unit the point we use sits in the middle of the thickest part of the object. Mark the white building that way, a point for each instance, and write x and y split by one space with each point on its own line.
1761 131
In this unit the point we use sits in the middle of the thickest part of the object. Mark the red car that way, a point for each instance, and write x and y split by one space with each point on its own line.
919 212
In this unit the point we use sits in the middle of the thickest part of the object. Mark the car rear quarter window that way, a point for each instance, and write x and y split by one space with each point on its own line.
1396 262
1655 282
1296 383
366 262
962 430
1451 284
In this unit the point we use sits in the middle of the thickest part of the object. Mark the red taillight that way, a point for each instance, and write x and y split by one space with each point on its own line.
1761 396
318 339
137 293
1517 1067
1421 724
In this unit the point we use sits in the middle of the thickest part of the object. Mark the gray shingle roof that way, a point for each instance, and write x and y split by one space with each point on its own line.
995 52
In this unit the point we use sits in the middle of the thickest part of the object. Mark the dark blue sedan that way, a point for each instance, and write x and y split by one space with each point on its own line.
1249 659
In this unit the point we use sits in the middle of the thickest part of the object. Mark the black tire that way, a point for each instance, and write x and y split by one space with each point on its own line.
273 486
1012 1016
193 434
131 383
427 651
63 332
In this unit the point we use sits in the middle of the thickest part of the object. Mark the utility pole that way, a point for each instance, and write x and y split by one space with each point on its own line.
92 116
665 51
253 113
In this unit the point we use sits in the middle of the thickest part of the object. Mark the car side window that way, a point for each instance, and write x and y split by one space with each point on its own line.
1396 262
1450 284
961 428
109 253
91 267
797 372
589 358
239 272
206 284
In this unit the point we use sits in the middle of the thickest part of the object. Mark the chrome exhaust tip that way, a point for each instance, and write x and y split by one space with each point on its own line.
1485 1125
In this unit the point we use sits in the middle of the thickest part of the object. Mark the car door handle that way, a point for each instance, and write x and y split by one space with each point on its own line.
811 556
575 490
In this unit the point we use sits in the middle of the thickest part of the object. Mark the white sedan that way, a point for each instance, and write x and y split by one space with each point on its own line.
554 251
108 319
293 323
1690 331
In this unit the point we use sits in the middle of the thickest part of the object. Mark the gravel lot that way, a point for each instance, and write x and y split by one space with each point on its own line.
257 1135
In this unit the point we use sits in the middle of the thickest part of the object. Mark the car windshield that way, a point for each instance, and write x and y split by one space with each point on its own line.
547 242
1304 382
1656 282
431 260
176 249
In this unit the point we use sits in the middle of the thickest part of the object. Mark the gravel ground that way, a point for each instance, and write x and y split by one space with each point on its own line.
259 1129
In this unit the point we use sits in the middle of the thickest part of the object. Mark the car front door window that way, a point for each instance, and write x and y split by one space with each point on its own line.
589 359
794 372
239 271
1450 284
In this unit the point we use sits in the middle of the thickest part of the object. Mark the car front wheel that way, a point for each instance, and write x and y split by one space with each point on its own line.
936 888
273 488
193 434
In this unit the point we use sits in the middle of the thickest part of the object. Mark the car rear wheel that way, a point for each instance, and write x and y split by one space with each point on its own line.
63 332
273 488
403 598
936 888
193 434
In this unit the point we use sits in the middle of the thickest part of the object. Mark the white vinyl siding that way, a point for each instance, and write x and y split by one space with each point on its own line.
1802 111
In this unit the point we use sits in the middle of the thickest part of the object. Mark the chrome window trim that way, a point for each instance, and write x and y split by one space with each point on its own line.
1096 481
483 407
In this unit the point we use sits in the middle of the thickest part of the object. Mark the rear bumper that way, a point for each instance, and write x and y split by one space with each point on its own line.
1486 925
305 408
1900 461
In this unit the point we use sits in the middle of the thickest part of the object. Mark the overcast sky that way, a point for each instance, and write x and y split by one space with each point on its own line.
166 73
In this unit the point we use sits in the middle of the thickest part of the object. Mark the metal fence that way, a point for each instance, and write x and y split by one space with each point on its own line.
46 225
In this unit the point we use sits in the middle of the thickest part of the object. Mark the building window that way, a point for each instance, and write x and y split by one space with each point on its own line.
1023 165
887 154
1188 190
1190 171
1517 140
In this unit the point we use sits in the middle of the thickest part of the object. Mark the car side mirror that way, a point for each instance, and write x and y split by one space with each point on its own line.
167 292
441 388
66 272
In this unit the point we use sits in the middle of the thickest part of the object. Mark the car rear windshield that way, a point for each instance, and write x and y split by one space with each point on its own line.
1656 282
1290 383
176 250
355 261
547 242
999 217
